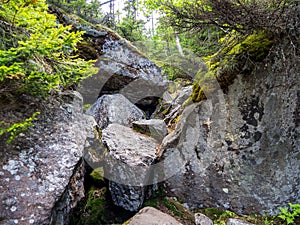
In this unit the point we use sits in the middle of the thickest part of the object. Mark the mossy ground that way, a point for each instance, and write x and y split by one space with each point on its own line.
220 217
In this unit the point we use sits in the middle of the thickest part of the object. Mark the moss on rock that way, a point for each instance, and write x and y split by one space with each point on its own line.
239 56
97 175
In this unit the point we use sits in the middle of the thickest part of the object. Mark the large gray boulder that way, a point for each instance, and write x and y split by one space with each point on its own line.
128 161
123 69
241 150
114 109
41 178
152 216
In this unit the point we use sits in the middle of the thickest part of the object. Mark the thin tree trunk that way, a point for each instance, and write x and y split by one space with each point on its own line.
152 24
178 45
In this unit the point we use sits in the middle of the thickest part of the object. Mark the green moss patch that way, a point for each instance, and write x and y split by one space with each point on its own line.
239 56
94 210
97 175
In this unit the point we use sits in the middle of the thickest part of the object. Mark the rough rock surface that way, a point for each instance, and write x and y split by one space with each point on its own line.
241 150
184 94
152 216
130 155
42 179
201 219
154 127
114 109
232 221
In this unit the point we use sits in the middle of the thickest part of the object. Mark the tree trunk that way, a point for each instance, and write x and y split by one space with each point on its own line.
178 45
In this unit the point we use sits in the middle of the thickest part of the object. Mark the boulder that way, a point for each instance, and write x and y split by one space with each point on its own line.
41 178
114 109
232 221
127 165
154 127
152 216
122 69
129 72
240 150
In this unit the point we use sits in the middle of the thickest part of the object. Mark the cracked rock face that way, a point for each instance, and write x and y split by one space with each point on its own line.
37 180
241 151
129 157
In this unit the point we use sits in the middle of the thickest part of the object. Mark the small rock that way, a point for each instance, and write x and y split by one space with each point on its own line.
152 216
232 221
201 219
154 127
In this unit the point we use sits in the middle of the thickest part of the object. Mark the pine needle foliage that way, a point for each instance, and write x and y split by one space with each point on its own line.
41 55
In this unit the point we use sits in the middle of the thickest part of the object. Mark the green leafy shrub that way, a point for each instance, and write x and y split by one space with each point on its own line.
37 56
94 210
172 72
42 57
290 214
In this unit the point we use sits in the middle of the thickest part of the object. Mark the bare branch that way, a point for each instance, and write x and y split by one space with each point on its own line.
240 15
